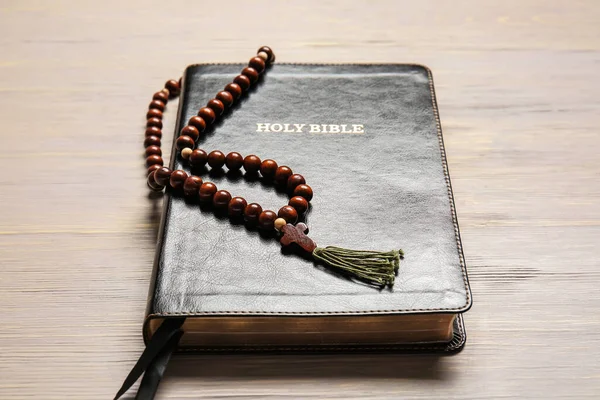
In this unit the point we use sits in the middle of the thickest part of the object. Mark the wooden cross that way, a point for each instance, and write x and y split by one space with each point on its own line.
297 234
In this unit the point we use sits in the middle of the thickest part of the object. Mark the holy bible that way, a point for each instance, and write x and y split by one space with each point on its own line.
368 140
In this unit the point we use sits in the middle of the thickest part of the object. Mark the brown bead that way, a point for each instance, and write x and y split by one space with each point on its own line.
236 207
190 131
177 179
299 203
269 52
235 90
282 174
153 151
288 213
198 158
152 141
216 106
268 168
191 186
266 220
157 104
257 63
243 81
216 159
161 96
154 113
162 176
226 98
234 161
251 213
154 122
198 123
251 73
185 141
252 164
152 184
173 87
152 168
207 192
207 114
304 191
153 131
221 200
294 181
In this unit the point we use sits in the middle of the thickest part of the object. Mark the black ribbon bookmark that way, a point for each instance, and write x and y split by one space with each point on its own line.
153 361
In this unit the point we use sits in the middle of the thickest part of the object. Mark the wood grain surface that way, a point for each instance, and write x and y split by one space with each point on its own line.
518 88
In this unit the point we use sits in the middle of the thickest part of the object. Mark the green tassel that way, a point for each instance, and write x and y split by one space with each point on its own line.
374 267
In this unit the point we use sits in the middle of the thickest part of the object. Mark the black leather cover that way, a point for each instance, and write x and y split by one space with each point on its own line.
386 188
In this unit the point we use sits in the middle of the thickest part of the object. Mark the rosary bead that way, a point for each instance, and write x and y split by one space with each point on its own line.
268 168
252 164
207 192
154 122
154 113
177 179
162 176
304 191
226 98
243 81
257 63
152 141
294 181
251 213
152 168
207 114
154 159
191 186
198 123
263 56
153 185
198 158
269 52
234 89
280 223
216 159
236 207
216 106
173 87
299 203
266 220
153 150
191 131
288 213
161 96
282 174
157 104
184 141
221 200
153 131
234 161
186 153
251 74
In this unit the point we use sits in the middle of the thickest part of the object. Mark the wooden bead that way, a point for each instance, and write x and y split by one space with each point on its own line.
157 104
236 207
207 114
152 141
191 131
184 141
198 158
279 223
177 179
266 220
288 213
154 159
153 185
304 191
216 105
152 168
173 87
269 52
154 122
198 123
162 176
216 159
153 150
299 203
191 186
162 96
186 153
221 200
251 213
243 81
257 63
251 73
234 89
294 181
234 161
154 113
252 164
263 56
207 192
226 98
282 174
153 131
268 169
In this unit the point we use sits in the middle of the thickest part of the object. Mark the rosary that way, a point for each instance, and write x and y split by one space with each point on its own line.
372 267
